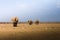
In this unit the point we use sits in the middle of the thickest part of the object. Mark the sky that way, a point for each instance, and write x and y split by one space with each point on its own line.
42 10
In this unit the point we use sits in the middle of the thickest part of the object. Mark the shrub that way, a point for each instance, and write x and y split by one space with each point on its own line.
37 22
30 22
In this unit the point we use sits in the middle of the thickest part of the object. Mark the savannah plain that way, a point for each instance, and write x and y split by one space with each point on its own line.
24 31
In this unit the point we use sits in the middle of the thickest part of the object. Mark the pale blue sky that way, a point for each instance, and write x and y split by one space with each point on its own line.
43 10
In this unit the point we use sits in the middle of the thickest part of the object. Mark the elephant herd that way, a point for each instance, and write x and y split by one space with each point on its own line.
15 21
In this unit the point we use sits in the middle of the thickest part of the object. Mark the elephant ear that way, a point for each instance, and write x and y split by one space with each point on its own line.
13 19
16 18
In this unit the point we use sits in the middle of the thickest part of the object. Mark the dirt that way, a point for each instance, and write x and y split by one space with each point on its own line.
42 31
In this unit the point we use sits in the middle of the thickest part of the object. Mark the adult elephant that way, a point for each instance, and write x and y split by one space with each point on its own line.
15 21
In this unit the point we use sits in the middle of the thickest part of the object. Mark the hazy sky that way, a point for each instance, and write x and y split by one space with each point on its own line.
43 10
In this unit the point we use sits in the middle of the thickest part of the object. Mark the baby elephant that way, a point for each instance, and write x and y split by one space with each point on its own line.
15 21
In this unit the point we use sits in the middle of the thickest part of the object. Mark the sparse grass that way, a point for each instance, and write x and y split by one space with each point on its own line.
43 31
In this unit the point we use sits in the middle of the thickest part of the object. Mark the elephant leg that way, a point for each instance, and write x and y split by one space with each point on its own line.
15 24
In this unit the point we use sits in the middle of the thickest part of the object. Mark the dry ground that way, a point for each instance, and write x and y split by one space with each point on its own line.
42 31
